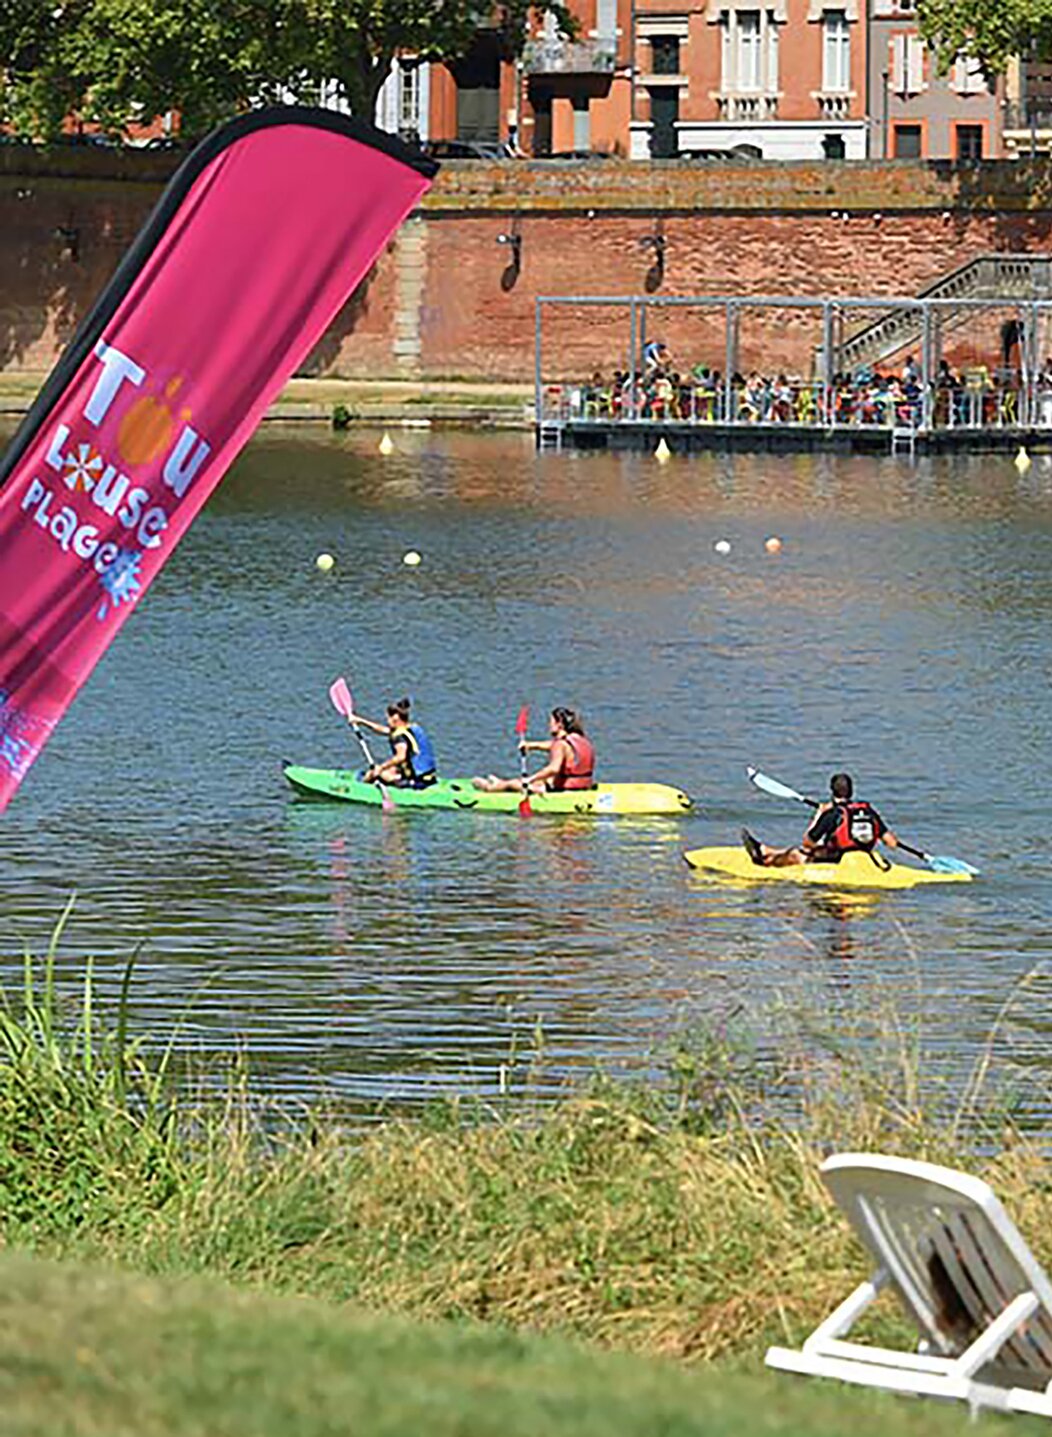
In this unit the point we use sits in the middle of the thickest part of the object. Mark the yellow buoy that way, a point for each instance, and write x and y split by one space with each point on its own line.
662 452
1022 460
324 562
386 444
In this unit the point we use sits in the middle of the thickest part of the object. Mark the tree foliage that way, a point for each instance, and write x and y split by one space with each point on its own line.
991 31
118 61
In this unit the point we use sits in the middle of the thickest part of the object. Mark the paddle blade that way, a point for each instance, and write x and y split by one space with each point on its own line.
940 863
773 787
340 695
524 805
522 723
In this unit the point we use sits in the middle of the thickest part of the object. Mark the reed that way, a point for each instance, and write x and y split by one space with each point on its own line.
683 1217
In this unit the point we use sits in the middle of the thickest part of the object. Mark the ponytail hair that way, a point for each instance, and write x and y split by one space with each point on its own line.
399 710
569 719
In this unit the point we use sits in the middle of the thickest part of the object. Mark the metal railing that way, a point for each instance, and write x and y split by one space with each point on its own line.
994 395
802 404
570 57
1028 114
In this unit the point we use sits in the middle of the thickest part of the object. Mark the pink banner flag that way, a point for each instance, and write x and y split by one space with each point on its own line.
256 243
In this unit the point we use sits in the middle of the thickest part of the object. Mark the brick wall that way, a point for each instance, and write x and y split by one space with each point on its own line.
444 299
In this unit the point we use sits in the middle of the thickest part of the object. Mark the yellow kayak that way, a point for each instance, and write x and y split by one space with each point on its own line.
855 870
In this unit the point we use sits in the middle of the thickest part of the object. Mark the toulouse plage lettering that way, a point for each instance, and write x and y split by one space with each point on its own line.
142 432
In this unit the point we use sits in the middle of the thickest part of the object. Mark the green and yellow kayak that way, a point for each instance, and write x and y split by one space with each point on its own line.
346 786
855 870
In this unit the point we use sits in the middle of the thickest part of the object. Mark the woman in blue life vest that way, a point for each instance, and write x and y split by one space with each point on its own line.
571 760
412 762
843 825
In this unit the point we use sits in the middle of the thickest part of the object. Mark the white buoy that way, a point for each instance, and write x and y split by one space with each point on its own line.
722 546
386 445
324 562
662 452
411 557
1022 460
773 545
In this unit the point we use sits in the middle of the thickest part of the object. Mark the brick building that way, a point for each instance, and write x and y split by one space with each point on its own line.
917 114
653 79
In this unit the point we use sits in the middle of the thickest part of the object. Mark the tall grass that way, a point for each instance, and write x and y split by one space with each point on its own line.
685 1217
87 1126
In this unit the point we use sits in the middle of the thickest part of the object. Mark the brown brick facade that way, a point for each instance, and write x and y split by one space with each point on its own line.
445 299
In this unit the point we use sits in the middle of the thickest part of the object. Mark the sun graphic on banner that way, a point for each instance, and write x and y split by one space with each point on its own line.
146 430
81 468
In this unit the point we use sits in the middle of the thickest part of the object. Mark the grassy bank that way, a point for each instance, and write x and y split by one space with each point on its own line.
677 1220
96 1353
367 402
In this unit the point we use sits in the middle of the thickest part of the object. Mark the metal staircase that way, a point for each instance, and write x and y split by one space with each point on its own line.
1011 277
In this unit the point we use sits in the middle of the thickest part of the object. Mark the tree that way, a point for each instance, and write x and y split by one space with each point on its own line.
37 85
118 61
990 31
353 43
205 59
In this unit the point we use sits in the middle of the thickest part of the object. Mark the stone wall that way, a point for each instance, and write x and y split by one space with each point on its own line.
446 300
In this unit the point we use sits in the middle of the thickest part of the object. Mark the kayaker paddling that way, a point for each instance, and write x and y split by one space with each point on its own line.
571 760
412 762
841 825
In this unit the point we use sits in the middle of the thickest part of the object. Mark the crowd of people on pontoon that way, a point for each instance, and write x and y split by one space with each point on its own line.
661 391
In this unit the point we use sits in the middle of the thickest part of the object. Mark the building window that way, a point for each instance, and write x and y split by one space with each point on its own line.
582 124
969 141
968 77
833 147
749 67
664 113
409 99
907 142
907 64
749 76
606 19
665 53
836 52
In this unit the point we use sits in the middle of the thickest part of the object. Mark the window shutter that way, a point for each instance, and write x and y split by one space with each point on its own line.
898 64
914 64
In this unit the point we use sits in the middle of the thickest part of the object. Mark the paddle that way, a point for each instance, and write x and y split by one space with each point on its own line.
343 703
522 724
938 863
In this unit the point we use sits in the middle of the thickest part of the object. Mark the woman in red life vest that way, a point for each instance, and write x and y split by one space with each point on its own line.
571 760
843 825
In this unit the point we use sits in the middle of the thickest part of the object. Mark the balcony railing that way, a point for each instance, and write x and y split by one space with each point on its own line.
1027 114
834 106
570 57
747 107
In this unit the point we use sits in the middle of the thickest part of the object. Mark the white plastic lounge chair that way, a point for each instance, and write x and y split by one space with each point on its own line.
946 1246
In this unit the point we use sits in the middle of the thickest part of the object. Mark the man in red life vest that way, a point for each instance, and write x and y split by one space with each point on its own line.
571 760
843 825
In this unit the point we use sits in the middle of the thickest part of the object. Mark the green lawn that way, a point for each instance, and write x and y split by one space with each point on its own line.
91 1352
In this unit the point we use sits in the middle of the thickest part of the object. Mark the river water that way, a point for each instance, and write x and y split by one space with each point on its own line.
902 633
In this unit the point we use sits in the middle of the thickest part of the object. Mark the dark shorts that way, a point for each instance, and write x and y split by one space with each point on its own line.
823 853
829 853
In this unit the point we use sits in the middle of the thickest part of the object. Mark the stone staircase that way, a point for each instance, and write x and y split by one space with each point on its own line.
1011 277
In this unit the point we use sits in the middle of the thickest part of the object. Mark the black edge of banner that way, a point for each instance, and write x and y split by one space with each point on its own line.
108 302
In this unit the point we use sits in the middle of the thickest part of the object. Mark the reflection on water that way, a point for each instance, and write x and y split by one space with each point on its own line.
901 633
